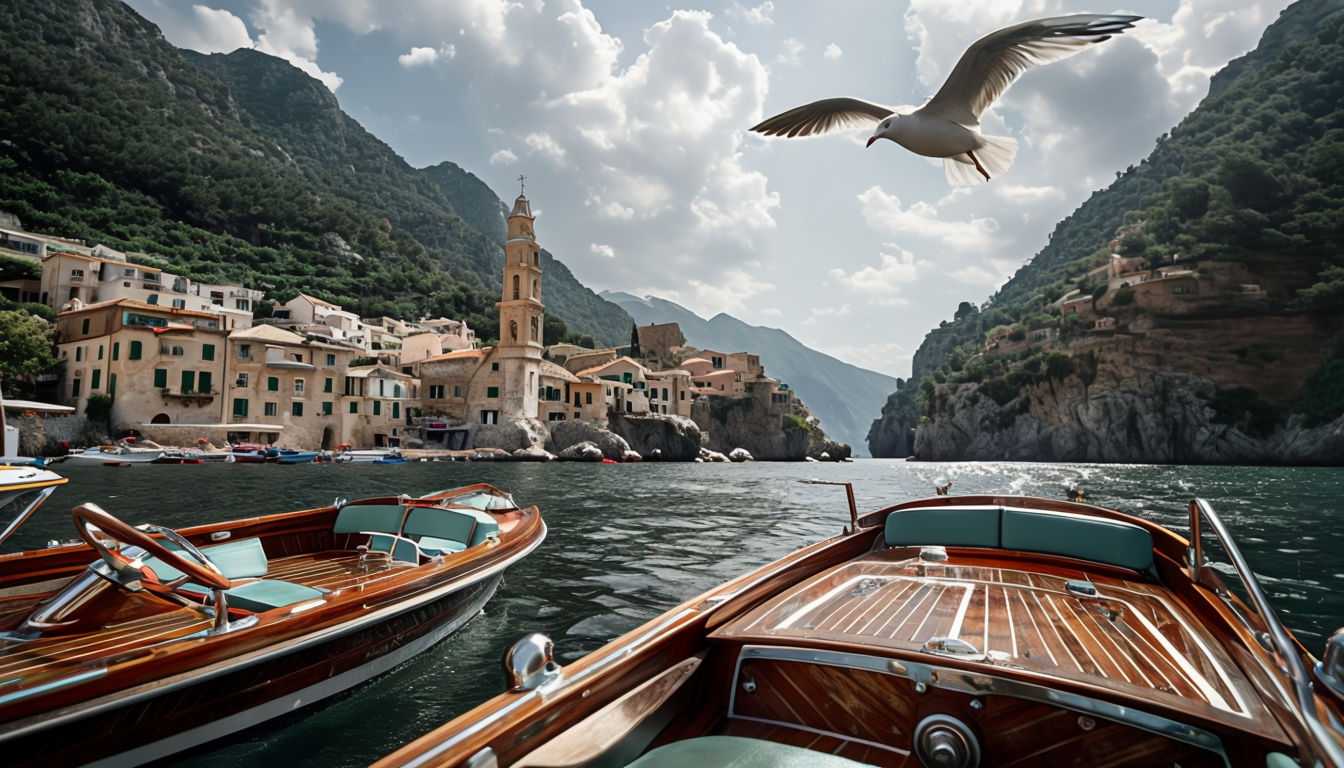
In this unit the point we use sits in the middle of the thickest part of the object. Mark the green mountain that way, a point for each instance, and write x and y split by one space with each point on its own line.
241 167
1248 192
843 396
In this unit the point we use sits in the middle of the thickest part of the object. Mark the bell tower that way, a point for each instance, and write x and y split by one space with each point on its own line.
520 313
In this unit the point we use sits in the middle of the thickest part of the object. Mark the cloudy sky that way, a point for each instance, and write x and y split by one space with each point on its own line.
629 120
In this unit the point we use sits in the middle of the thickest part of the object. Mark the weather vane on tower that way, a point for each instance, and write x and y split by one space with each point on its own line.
522 184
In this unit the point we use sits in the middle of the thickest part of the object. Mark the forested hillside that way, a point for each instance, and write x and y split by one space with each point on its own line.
1253 177
241 167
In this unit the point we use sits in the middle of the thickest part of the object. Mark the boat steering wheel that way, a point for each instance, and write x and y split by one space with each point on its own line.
199 570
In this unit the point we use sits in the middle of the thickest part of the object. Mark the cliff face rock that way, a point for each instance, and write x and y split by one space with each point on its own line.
511 435
892 435
675 438
753 423
568 433
1125 413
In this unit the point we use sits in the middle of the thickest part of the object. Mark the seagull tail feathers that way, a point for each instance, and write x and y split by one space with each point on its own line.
995 155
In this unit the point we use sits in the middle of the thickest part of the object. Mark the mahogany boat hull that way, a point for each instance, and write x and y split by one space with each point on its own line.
172 720
158 676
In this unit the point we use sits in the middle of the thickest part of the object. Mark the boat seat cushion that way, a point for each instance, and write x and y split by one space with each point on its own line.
397 547
737 752
947 526
265 594
432 546
467 527
242 559
1087 538
356 518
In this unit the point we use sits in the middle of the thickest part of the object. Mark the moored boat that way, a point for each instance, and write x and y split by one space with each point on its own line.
297 457
107 454
370 456
169 639
951 632
22 490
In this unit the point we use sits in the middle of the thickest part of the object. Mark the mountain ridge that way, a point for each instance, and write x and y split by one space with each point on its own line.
842 395
241 167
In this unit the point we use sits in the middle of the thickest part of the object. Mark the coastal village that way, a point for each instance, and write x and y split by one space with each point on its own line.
186 362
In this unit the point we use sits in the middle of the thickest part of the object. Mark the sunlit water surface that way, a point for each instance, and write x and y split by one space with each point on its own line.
629 541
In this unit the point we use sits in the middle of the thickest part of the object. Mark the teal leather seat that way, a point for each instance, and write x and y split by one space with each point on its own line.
737 752
265 594
442 531
357 518
396 547
1087 538
242 559
945 526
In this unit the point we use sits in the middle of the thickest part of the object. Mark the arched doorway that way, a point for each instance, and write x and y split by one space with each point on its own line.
326 438
161 418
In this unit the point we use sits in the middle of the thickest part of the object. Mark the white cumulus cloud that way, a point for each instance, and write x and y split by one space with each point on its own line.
832 52
424 56
896 267
503 157
760 15
606 251
885 213
791 52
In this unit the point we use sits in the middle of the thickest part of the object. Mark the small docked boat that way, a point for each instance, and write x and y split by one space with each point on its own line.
112 454
296 457
370 456
249 453
952 632
169 639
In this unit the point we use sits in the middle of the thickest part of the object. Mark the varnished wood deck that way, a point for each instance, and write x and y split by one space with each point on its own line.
1130 638
335 571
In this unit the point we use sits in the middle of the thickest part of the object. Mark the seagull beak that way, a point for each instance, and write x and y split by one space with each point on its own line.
871 139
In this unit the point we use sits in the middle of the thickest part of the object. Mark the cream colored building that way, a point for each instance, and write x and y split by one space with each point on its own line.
289 384
158 364
377 404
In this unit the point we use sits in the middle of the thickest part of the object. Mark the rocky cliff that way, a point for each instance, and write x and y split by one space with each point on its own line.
1192 392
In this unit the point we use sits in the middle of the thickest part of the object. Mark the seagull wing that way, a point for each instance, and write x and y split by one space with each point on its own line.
994 61
822 116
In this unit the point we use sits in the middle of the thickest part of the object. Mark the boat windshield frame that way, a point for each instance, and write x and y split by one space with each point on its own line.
1274 637
43 488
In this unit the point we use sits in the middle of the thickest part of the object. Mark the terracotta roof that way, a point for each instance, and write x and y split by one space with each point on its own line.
557 372
364 371
316 300
609 363
263 332
694 360
140 305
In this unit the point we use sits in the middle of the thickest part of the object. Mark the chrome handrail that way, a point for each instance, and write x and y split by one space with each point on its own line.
849 496
1321 743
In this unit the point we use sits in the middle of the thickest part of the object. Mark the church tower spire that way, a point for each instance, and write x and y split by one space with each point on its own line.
520 312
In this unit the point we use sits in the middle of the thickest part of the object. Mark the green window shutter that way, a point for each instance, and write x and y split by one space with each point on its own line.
492 391
116 350
326 408
204 381
112 384
74 388
377 407
296 409
207 351
327 385
396 410
272 384
135 350
240 406
97 378
160 378
188 381
84 327
354 406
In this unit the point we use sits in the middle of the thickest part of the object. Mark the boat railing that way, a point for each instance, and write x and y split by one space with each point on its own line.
849 496
1273 636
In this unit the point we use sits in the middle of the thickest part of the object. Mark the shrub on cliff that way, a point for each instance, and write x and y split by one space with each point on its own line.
1322 398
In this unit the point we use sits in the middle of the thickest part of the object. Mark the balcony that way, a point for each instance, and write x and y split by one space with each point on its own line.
278 359
189 395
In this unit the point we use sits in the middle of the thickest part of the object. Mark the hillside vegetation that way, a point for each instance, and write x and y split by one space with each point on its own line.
1254 175
241 167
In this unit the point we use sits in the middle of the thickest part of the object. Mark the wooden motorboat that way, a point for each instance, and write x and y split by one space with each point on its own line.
296 457
950 632
169 639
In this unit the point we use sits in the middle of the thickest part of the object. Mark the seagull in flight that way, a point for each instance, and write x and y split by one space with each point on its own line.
947 126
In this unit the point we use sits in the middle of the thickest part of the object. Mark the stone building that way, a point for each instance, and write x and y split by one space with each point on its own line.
160 365
283 388
659 344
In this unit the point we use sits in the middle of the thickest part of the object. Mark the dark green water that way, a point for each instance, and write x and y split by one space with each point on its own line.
629 541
